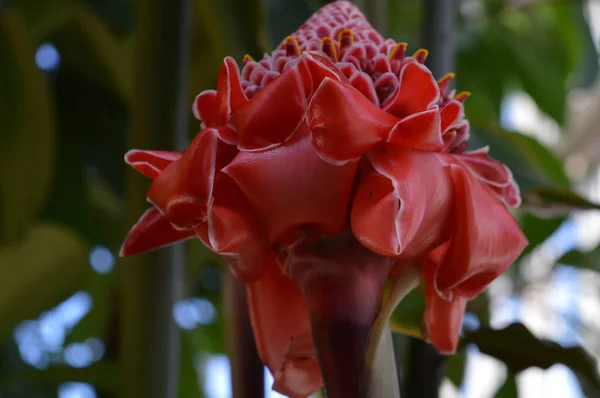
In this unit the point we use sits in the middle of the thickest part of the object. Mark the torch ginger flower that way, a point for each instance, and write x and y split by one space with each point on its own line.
320 171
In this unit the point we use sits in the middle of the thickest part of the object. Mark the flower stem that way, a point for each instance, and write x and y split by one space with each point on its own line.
343 284
380 360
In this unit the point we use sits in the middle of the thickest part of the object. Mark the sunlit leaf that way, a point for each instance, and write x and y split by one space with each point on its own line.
519 349
97 321
509 388
39 272
533 165
581 259
408 315
455 368
550 202
537 230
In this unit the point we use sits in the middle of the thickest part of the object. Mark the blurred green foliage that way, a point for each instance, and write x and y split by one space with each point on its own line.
63 134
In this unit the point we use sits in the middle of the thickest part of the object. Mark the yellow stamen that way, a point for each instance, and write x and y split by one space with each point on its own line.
292 47
462 96
247 58
398 52
447 77
346 38
421 55
329 48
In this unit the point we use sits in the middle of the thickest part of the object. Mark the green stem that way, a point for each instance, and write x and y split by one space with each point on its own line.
380 351
150 284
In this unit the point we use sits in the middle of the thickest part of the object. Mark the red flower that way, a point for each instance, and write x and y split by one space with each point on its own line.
273 178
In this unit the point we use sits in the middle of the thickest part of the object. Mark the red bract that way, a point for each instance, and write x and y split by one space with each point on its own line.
273 184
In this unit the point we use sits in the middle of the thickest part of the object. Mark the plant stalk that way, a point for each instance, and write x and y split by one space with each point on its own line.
343 283
150 284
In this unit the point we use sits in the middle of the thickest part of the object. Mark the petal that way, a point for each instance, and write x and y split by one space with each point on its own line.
485 239
152 231
374 206
293 190
419 131
510 195
300 375
417 91
320 67
344 123
363 83
205 108
487 170
234 231
230 95
443 320
183 190
450 114
298 378
150 163
423 190
272 116
278 312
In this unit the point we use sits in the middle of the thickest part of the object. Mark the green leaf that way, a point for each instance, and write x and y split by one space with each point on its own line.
533 165
96 322
102 375
107 49
550 202
408 316
483 71
534 55
537 230
27 125
509 388
39 272
519 350
588 260
189 381
43 17
455 368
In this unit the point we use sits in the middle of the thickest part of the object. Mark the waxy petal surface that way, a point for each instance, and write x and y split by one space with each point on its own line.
485 239
419 131
299 375
344 123
152 231
417 91
292 189
235 232
450 114
183 189
206 109
423 190
272 116
230 95
150 163
279 313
